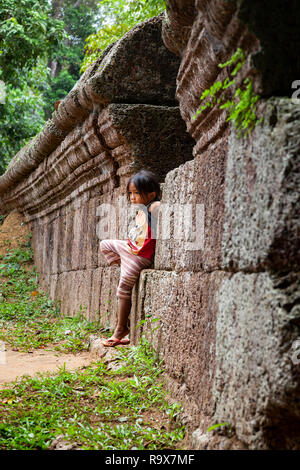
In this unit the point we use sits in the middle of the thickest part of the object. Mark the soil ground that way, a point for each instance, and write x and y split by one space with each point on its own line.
14 364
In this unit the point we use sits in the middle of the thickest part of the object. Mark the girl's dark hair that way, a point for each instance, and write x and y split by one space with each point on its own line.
145 182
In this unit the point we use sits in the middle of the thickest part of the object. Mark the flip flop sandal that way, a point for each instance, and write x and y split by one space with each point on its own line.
112 342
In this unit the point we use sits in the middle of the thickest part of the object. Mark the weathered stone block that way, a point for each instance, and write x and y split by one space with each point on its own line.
47 246
81 292
108 300
165 143
63 292
173 221
177 24
180 312
262 203
90 135
73 289
257 379
79 241
138 68
190 223
92 240
56 242
94 309
53 278
65 237
37 245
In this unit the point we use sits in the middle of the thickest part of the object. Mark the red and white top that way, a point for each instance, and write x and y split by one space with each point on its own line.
142 237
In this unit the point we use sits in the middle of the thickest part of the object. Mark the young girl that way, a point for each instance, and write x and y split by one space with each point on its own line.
137 251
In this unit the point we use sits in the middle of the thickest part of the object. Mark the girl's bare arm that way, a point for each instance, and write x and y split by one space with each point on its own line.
154 208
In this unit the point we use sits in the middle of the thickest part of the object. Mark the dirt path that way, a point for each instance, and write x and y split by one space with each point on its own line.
14 364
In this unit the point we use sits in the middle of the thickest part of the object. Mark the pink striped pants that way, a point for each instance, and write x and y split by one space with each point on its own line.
131 265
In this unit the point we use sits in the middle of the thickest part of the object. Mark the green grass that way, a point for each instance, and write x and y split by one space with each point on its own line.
28 318
94 407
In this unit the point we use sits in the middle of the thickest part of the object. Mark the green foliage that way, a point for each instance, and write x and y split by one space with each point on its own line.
27 32
78 23
96 407
243 112
30 38
238 59
118 17
22 114
58 87
242 108
216 426
28 318
28 35
149 320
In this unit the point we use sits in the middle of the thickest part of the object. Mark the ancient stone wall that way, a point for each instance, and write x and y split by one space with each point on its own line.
222 298
121 116
229 311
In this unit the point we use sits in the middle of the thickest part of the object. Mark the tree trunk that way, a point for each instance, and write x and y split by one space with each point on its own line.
57 14
57 9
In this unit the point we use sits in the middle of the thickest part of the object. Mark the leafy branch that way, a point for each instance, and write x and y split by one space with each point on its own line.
242 108
118 17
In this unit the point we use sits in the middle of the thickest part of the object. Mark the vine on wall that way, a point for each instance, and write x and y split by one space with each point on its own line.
242 108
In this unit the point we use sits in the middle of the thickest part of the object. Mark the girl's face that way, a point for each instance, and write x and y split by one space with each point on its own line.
138 198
